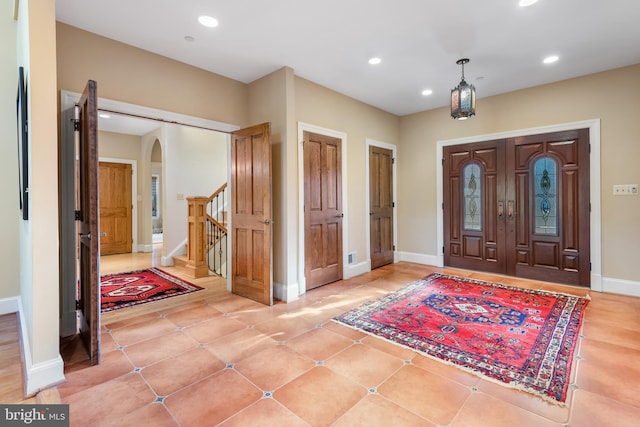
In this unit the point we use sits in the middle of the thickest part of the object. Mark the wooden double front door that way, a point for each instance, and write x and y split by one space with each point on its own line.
520 206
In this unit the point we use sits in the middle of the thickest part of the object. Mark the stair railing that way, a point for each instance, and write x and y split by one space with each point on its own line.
217 231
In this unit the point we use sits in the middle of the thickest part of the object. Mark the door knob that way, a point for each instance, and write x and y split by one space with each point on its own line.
103 234
266 221
88 235
340 215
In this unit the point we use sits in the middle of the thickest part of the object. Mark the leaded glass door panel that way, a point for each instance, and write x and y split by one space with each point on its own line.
474 188
548 182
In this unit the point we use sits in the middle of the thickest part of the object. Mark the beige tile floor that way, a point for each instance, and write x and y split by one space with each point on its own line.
225 360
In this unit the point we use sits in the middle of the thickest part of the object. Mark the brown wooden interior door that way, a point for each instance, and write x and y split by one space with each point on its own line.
89 304
381 206
532 207
322 209
548 182
115 208
474 225
251 274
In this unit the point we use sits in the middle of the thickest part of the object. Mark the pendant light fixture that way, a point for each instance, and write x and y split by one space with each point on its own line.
463 97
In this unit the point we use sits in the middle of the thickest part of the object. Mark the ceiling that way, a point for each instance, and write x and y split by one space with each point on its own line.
330 42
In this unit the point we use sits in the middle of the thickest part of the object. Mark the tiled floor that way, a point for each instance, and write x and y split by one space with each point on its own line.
229 361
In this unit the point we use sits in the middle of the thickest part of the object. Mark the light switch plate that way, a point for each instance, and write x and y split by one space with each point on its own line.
625 190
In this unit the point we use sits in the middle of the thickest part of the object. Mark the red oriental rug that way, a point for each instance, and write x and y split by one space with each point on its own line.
138 287
520 338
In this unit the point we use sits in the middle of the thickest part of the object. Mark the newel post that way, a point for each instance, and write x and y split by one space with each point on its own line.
197 232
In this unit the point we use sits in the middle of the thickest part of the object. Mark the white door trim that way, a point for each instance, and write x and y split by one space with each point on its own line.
594 172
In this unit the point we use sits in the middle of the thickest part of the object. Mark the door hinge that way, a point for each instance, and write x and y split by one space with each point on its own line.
76 215
442 205
76 118
394 247
393 160
443 161
77 304
393 204
589 266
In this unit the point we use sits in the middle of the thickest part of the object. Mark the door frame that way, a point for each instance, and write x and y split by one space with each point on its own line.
595 190
134 196
368 143
69 99
302 127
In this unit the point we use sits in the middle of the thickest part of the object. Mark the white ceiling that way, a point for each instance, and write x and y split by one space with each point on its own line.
330 41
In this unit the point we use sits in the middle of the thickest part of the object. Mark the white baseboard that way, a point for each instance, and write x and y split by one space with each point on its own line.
352 270
41 375
434 260
620 286
145 248
181 249
44 375
9 305
286 293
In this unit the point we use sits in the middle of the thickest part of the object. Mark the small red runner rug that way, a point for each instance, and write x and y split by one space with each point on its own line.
138 287
521 338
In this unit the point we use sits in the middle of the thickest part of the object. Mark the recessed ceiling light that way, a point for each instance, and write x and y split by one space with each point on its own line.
104 116
525 3
375 60
208 21
550 59
427 92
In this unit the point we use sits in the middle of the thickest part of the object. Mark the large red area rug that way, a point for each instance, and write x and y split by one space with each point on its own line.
521 338
138 287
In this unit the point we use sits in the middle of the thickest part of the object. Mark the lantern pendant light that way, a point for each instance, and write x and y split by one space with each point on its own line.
463 97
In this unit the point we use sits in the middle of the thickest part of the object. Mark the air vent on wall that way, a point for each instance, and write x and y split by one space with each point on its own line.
352 257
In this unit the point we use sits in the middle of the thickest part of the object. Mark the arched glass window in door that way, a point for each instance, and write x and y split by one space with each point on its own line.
546 193
472 176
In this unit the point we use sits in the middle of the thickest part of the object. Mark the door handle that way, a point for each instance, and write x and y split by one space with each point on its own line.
266 222
340 215
103 234
500 209
510 209
88 235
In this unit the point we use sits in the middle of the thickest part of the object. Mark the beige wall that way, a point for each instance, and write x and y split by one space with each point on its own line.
319 106
125 73
611 97
268 102
9 214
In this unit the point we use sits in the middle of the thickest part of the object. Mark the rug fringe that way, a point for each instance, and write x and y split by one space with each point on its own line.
502 285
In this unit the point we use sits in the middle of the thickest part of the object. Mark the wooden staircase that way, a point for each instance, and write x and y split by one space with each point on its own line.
207 231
